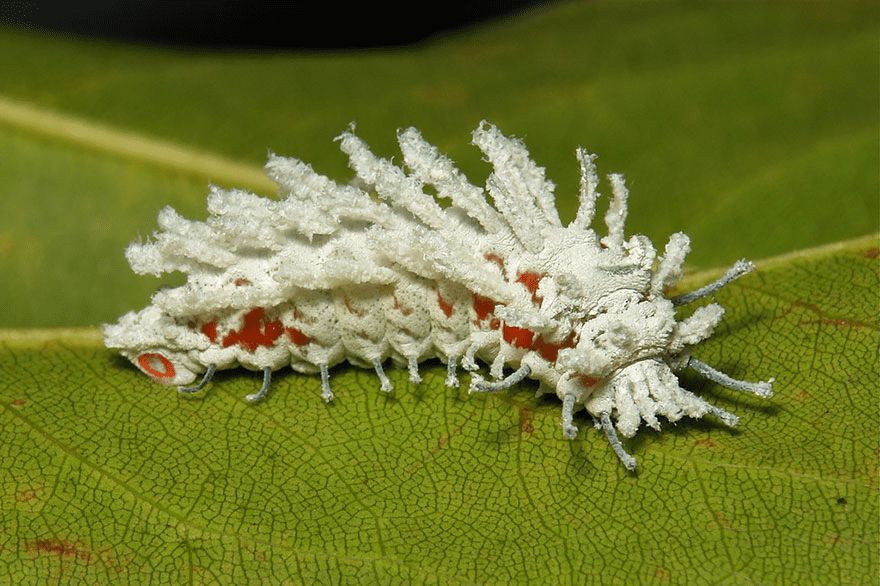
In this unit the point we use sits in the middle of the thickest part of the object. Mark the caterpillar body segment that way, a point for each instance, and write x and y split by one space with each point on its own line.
329 273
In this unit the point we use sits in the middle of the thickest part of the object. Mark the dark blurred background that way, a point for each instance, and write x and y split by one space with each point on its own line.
257 24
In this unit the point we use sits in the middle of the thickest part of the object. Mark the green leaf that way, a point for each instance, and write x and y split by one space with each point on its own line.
111 478
750 126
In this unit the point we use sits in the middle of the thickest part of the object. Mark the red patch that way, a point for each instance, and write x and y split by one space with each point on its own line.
156 365
210 330
872 253
483 306
531 280
550 352
257 331
589 381
444 305
496 259
240 282
297 337
398 306
518 337
352 309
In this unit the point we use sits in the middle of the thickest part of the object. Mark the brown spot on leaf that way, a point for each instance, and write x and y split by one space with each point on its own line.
26 496
873 252
57 547
795 305
525 421
836 539
721 521
848 323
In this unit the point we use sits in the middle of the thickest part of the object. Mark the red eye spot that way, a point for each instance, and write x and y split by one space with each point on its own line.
156 365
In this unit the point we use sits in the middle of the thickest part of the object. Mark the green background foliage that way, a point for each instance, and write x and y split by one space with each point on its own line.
750 126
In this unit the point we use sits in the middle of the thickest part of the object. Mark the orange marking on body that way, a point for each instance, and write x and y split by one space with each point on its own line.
240 282
398 306
444 305
156 365
518 337
257 331
483 307
496 259
297 337
531 280
210 330
589 381
352 309
550 352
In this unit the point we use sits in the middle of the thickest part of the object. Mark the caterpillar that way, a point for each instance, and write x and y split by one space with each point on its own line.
377 269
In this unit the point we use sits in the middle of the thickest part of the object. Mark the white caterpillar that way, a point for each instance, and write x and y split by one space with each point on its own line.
328 273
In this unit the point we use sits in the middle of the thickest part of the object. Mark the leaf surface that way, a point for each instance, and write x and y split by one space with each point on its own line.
111 477
750 126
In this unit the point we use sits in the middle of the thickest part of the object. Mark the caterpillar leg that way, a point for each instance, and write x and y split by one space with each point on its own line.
326 393
267 378
739 269
727 417
209 374
497 368
478 385
467 361
451 377
414 370
569 430
762 388
628 461
386 384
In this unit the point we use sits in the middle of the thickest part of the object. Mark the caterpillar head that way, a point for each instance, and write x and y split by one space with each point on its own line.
629 329
155 343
